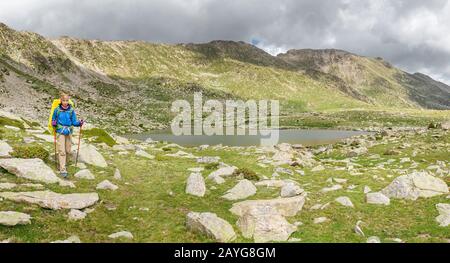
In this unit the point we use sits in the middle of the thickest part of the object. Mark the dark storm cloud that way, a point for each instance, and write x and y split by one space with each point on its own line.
412 34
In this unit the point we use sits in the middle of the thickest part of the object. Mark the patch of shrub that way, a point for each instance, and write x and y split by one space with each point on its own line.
10 122
30 151
99 136
166 149
246 173
212 166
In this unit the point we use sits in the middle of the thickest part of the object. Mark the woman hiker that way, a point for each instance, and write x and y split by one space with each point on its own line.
63 120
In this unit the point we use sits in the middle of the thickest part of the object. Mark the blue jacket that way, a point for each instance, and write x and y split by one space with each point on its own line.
65 120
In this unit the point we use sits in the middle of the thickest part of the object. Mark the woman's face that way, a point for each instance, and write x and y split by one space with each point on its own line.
65 101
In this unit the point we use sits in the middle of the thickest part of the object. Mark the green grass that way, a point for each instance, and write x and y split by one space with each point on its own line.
10 122
99 136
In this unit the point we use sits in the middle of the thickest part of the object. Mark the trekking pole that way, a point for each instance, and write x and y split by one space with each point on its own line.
79 142
54 143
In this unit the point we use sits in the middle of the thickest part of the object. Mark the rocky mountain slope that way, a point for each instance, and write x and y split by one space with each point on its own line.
129 85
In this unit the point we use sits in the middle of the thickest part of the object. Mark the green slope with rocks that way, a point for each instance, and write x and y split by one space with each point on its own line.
389 187
128 86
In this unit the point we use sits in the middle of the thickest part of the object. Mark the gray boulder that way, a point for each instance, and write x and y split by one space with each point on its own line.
195 185
52 200
210 225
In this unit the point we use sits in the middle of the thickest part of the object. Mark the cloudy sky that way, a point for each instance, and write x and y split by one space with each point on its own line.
412 34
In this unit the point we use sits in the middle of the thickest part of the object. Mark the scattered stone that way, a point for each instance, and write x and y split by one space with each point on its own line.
12 128
121 234
210 225
144 154
90 155
271 183
290 189
75 215
208 159
71 239
345 201
340 181
117 174
289 206
415 185
5 149
106 185
32 169
223 171
318 168
373 239
85 174
377 199
264 224
12 218
284 171
444 214
52 200
241 190
195 185
320 220
367 189
332 188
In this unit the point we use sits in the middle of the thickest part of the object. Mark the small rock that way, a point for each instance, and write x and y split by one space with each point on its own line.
367 189
144 154
332 188
241 190
71 239
12 218
373 239
320 220
195 185
75 215
85 174
121 234
211 225
117 174
377 198
106 185
290 189
345 201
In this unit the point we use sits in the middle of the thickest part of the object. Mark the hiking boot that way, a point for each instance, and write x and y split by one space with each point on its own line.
64 174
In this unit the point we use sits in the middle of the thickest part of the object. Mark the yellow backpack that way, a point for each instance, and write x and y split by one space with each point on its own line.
55 104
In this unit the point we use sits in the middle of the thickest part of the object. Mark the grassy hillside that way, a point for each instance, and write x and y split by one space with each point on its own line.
128 86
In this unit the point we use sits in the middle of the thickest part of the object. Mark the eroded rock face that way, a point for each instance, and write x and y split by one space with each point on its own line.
264 224
415 185
31 169
195 185
285 206
210 225
241 190
90 155
12 218
52 200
